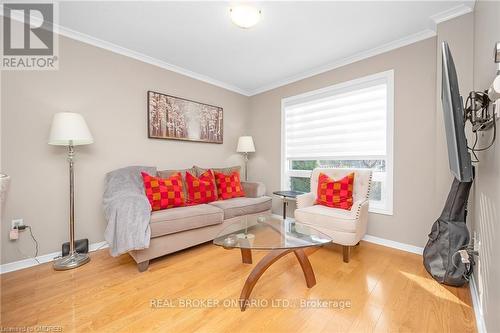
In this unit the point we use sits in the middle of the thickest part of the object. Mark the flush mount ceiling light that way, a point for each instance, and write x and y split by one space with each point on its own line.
244 16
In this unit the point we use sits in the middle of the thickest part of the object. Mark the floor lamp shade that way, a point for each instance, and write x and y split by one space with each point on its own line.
69 129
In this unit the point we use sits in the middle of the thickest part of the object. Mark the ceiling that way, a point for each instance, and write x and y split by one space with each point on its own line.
293 40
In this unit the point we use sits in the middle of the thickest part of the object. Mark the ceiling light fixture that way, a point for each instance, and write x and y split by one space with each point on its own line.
245 16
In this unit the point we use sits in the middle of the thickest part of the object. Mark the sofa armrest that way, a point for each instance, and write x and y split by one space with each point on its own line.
254 189
305 200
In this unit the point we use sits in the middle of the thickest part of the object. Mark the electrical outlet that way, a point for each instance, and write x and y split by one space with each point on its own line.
17 223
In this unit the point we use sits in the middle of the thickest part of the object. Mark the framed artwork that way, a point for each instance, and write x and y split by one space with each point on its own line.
175 118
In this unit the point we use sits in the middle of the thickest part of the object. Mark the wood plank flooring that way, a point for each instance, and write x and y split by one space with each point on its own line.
379 290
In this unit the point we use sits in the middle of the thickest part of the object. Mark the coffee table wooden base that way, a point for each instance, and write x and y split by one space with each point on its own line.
246 256
266 262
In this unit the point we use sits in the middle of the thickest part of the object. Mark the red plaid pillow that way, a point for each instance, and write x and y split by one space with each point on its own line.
335 193
201 189
164 193
229 186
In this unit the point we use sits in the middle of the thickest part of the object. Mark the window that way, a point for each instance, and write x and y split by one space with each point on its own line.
348 125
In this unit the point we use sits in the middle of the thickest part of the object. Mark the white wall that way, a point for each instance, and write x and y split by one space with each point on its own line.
487 183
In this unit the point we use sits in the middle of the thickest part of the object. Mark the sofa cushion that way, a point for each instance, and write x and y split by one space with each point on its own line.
243 206
227 170
201 189
164 193
168 173
178 219
326 217
228 186
253 189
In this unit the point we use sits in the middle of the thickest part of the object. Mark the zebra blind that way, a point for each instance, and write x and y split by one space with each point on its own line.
340 124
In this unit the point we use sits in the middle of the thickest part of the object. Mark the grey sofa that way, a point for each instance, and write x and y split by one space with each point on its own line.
178 228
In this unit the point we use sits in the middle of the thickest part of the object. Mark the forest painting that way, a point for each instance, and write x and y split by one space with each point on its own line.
176 118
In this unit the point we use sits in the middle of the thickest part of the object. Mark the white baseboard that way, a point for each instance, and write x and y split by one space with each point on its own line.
394 244
476 304
386 242
25 263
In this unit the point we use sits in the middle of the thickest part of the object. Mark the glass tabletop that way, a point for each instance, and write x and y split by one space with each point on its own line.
288 194
267 232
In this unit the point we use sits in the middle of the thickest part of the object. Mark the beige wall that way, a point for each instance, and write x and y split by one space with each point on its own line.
487 184
110 91
414 136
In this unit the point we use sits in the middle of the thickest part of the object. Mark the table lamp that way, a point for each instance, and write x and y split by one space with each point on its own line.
245 146
69 129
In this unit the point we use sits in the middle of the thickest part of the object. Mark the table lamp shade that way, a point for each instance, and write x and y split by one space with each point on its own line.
68 127
245 145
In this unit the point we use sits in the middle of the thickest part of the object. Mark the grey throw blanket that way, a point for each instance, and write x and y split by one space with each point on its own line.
127 210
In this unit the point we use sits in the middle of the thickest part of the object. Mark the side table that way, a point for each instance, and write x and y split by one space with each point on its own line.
285 196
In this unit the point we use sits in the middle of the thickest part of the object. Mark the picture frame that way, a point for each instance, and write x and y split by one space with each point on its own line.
176 118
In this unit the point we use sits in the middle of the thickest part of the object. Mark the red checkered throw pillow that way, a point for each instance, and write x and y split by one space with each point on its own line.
335 193
164 193
229 186
200 189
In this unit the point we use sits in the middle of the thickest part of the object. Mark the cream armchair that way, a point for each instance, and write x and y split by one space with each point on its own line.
345 227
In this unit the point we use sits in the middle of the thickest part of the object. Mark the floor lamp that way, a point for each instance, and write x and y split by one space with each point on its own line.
69 129
245 146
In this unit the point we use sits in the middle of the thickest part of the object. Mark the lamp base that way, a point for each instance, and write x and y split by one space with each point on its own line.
72 260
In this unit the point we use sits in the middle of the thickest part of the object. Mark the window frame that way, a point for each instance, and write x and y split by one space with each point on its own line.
388 78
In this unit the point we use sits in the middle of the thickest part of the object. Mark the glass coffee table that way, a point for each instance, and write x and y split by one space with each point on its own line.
279 236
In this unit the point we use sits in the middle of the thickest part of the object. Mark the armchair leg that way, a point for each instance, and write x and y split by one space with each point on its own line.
345 252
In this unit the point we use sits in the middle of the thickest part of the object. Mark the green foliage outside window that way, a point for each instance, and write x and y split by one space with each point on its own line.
376 191
300 184
304 165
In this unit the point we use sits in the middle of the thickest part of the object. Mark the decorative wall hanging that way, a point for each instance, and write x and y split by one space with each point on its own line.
177 118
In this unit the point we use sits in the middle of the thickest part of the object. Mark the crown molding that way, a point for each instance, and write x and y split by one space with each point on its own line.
452 13
414 38
66 32
428 33
87 39
419 36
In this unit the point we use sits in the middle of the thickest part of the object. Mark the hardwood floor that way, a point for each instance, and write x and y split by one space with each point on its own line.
388 291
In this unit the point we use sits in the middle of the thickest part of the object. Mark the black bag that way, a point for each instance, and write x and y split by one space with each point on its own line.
448 235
